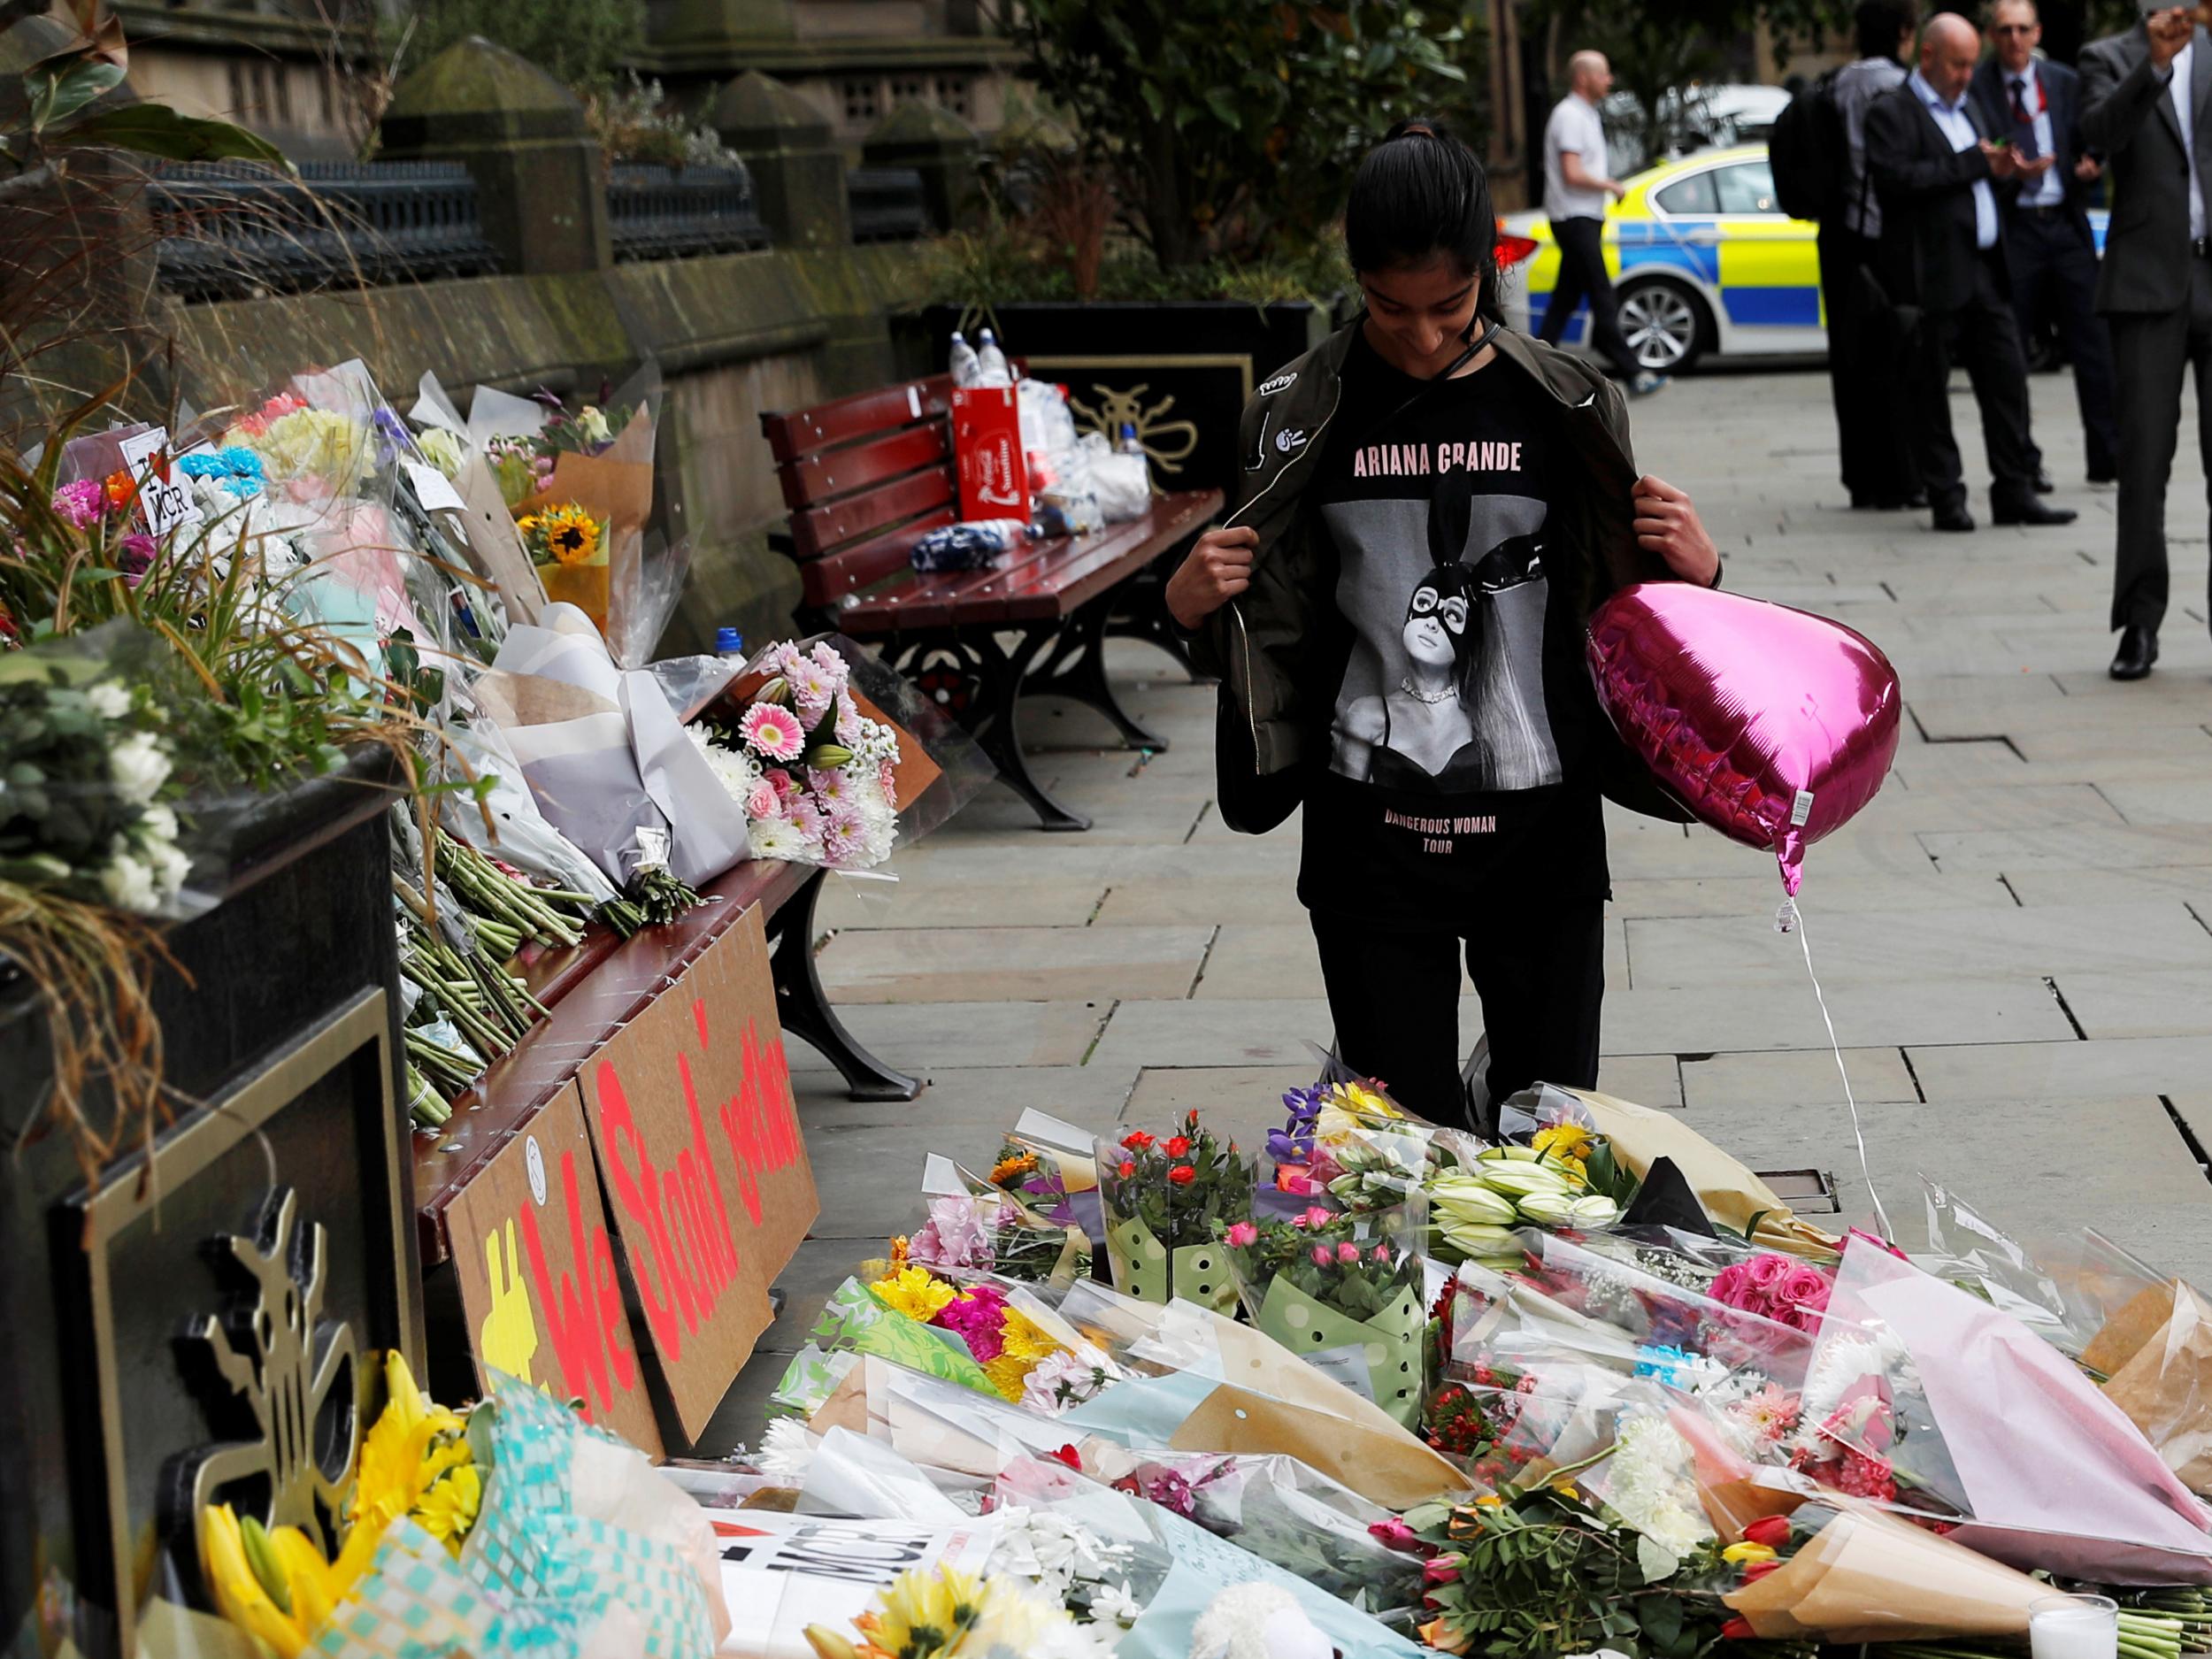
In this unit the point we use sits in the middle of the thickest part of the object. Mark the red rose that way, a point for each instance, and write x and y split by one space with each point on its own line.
1128 1169
1069 1455
1738 1630
1759 1570
1773 1530
1182 1175
1179 1147
1136 1139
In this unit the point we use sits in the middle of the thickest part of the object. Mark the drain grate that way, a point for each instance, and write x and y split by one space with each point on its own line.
1807 1192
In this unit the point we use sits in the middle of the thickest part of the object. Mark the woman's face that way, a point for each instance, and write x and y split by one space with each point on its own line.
1433 624
1419 312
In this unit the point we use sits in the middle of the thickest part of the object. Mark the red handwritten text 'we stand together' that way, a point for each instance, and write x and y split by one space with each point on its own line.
678 1222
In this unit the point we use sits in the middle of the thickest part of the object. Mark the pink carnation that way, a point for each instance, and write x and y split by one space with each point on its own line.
762 801
79 505
772 730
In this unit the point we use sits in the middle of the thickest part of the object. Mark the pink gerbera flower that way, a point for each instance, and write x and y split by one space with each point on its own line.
771 731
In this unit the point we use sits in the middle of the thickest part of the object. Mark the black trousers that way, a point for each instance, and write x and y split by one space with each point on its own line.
1538 965
1863 376
1582 276
2151 352
1983 335
2054 270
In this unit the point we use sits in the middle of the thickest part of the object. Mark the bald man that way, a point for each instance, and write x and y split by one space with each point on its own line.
1576 191
1943 255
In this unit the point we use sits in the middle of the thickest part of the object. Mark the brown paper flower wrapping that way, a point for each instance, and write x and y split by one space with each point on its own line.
2156 1356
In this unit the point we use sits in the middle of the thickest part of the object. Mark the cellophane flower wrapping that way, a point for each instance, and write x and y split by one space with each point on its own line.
1169 1199
1344 1291
580 1548
2065 1286
1921 1391
2156 1356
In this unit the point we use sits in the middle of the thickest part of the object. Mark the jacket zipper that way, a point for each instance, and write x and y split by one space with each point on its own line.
1236 610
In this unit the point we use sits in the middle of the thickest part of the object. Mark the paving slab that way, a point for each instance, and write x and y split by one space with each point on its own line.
848 903
964 964
920 1038
2075 1071
1771 1079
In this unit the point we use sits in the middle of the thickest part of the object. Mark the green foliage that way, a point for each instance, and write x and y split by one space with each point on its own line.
1004 265
580 44
1230 128
1186 1187
154 129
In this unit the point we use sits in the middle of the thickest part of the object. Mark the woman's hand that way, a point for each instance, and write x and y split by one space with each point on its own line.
1218 568
1668 525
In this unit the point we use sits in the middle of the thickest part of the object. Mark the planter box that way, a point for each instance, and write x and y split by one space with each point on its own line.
1181 372
200 1323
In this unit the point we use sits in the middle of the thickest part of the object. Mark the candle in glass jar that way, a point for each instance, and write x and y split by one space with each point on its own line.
2074 1627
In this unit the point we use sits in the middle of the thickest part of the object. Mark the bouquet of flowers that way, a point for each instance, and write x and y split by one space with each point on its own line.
943 1613
1342 1294
992 1232
1778 1288
1169 1201
562 538
817 779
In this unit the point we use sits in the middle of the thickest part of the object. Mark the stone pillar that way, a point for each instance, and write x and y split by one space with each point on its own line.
798 173
944 148
539 183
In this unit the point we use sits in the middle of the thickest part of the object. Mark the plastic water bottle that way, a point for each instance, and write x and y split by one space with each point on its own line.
728 643
1127 443
993 361
966 369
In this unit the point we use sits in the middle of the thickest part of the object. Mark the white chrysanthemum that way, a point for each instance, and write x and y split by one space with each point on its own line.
139 765
109 702
1839 1362
786 1451
1116 1604
1654 1487
777 838
1052 1552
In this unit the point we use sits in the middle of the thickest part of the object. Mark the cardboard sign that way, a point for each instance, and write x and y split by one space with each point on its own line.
706 1176
536 1263
986 447
165 497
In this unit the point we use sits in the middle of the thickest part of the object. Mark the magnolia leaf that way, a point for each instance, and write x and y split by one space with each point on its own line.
154 129
1657 1563
56 94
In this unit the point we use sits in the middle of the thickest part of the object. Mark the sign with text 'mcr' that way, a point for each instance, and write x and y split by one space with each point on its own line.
706 1177
539 1289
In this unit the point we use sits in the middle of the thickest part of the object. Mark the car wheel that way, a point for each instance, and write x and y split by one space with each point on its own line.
1666 327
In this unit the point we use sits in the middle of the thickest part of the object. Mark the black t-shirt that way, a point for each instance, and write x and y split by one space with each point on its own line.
1458 748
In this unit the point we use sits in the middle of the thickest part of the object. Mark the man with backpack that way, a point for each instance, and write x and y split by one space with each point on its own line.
1818 153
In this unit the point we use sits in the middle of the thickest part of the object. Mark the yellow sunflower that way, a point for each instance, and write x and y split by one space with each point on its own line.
1012 1169
915 1292
569 533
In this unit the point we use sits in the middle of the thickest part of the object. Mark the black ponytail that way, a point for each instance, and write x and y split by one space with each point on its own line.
1420 193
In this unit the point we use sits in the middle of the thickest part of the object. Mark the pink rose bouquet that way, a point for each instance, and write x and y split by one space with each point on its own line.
1777 1288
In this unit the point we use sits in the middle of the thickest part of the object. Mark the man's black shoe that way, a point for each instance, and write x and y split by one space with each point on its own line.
2104 475
1913 502
2138 650
2031 512
2043 483
1952 516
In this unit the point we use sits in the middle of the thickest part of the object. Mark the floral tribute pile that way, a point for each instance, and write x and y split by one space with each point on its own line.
1392 1388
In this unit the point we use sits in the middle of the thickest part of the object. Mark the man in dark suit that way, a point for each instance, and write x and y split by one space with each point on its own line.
2048 248
1943 255
2145 97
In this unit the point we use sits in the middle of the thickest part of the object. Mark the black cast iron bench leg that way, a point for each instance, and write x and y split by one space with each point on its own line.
1077 669
980 682
804 1009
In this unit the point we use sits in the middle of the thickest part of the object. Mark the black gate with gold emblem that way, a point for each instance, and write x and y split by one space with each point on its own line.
201 1323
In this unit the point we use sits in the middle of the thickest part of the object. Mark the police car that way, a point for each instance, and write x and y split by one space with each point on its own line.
1702 258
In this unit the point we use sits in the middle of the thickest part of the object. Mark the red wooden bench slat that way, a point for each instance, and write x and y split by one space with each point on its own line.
814 530
864 415
621 977
986 592
857 565
933 598
817 478
1091 571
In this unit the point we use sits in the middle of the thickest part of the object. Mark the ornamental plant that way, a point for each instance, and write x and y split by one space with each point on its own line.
1186 1187
1334 1259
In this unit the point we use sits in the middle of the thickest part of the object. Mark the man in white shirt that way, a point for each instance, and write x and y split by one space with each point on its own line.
2034 107
1576 188
1942 255
2141 94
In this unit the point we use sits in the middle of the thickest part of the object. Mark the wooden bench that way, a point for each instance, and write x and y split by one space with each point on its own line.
601 985
866 476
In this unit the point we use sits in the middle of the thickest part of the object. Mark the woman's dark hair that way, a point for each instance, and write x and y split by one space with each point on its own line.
1420 193
1879 23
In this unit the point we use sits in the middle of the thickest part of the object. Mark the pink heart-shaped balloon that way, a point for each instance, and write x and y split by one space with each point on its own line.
1773 726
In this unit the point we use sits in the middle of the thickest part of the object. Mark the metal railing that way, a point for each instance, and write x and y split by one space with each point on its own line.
886 204
655 212
228 230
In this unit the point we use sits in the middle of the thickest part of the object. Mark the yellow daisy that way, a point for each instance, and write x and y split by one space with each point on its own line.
1010 1376
1024 1339
448 1510
914 1292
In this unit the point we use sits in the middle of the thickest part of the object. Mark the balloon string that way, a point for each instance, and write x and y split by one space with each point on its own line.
1796 923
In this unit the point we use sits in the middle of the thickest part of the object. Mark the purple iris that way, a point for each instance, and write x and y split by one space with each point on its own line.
1293 1143
392 437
